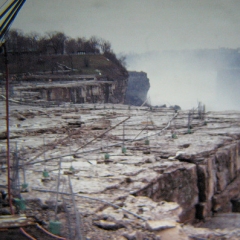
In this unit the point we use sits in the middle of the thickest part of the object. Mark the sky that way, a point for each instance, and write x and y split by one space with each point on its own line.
139 28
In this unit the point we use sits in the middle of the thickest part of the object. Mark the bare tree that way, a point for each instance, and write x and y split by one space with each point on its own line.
105 46
15 41
94 43
71 46
56 41
33 41
80 44
43 45
122 60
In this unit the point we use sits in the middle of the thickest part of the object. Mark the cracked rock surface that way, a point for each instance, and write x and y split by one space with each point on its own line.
164 180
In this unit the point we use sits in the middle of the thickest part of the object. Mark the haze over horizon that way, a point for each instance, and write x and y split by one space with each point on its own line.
139 28
178 79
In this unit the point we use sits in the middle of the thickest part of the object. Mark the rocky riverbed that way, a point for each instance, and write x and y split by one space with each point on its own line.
135 172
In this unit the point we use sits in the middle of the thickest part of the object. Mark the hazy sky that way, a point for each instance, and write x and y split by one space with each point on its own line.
138 25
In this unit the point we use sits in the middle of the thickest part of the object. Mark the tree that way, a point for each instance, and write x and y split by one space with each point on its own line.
15 41
105 46
122 60
71 46
43 45
80 44
94 42
91 45
56 41
33 41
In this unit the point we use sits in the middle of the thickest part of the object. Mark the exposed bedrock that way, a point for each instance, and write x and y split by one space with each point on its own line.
177 184
137 88
176 175
218 181
202 186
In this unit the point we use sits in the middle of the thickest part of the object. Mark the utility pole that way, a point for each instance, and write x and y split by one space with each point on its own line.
7 128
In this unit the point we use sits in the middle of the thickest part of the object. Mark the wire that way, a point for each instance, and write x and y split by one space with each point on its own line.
112 145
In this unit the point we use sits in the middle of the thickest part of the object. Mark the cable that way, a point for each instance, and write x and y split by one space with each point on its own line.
112 145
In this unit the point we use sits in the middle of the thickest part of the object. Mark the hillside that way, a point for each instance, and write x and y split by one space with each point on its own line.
57 68
88 78
22 64
55 52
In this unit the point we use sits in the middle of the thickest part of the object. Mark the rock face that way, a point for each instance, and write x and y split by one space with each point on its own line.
217 179
104 81
137 88
177 184
75 89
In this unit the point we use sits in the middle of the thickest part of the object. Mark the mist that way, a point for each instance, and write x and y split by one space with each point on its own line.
185 78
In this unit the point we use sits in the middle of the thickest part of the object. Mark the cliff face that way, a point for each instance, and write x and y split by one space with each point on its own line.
137 88
75 91
103 81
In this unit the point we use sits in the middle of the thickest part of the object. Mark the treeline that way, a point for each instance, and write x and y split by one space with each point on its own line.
59 43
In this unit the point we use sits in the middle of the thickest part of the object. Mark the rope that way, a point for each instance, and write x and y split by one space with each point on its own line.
99 148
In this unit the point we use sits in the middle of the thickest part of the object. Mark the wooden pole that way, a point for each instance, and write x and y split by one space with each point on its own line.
8 129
